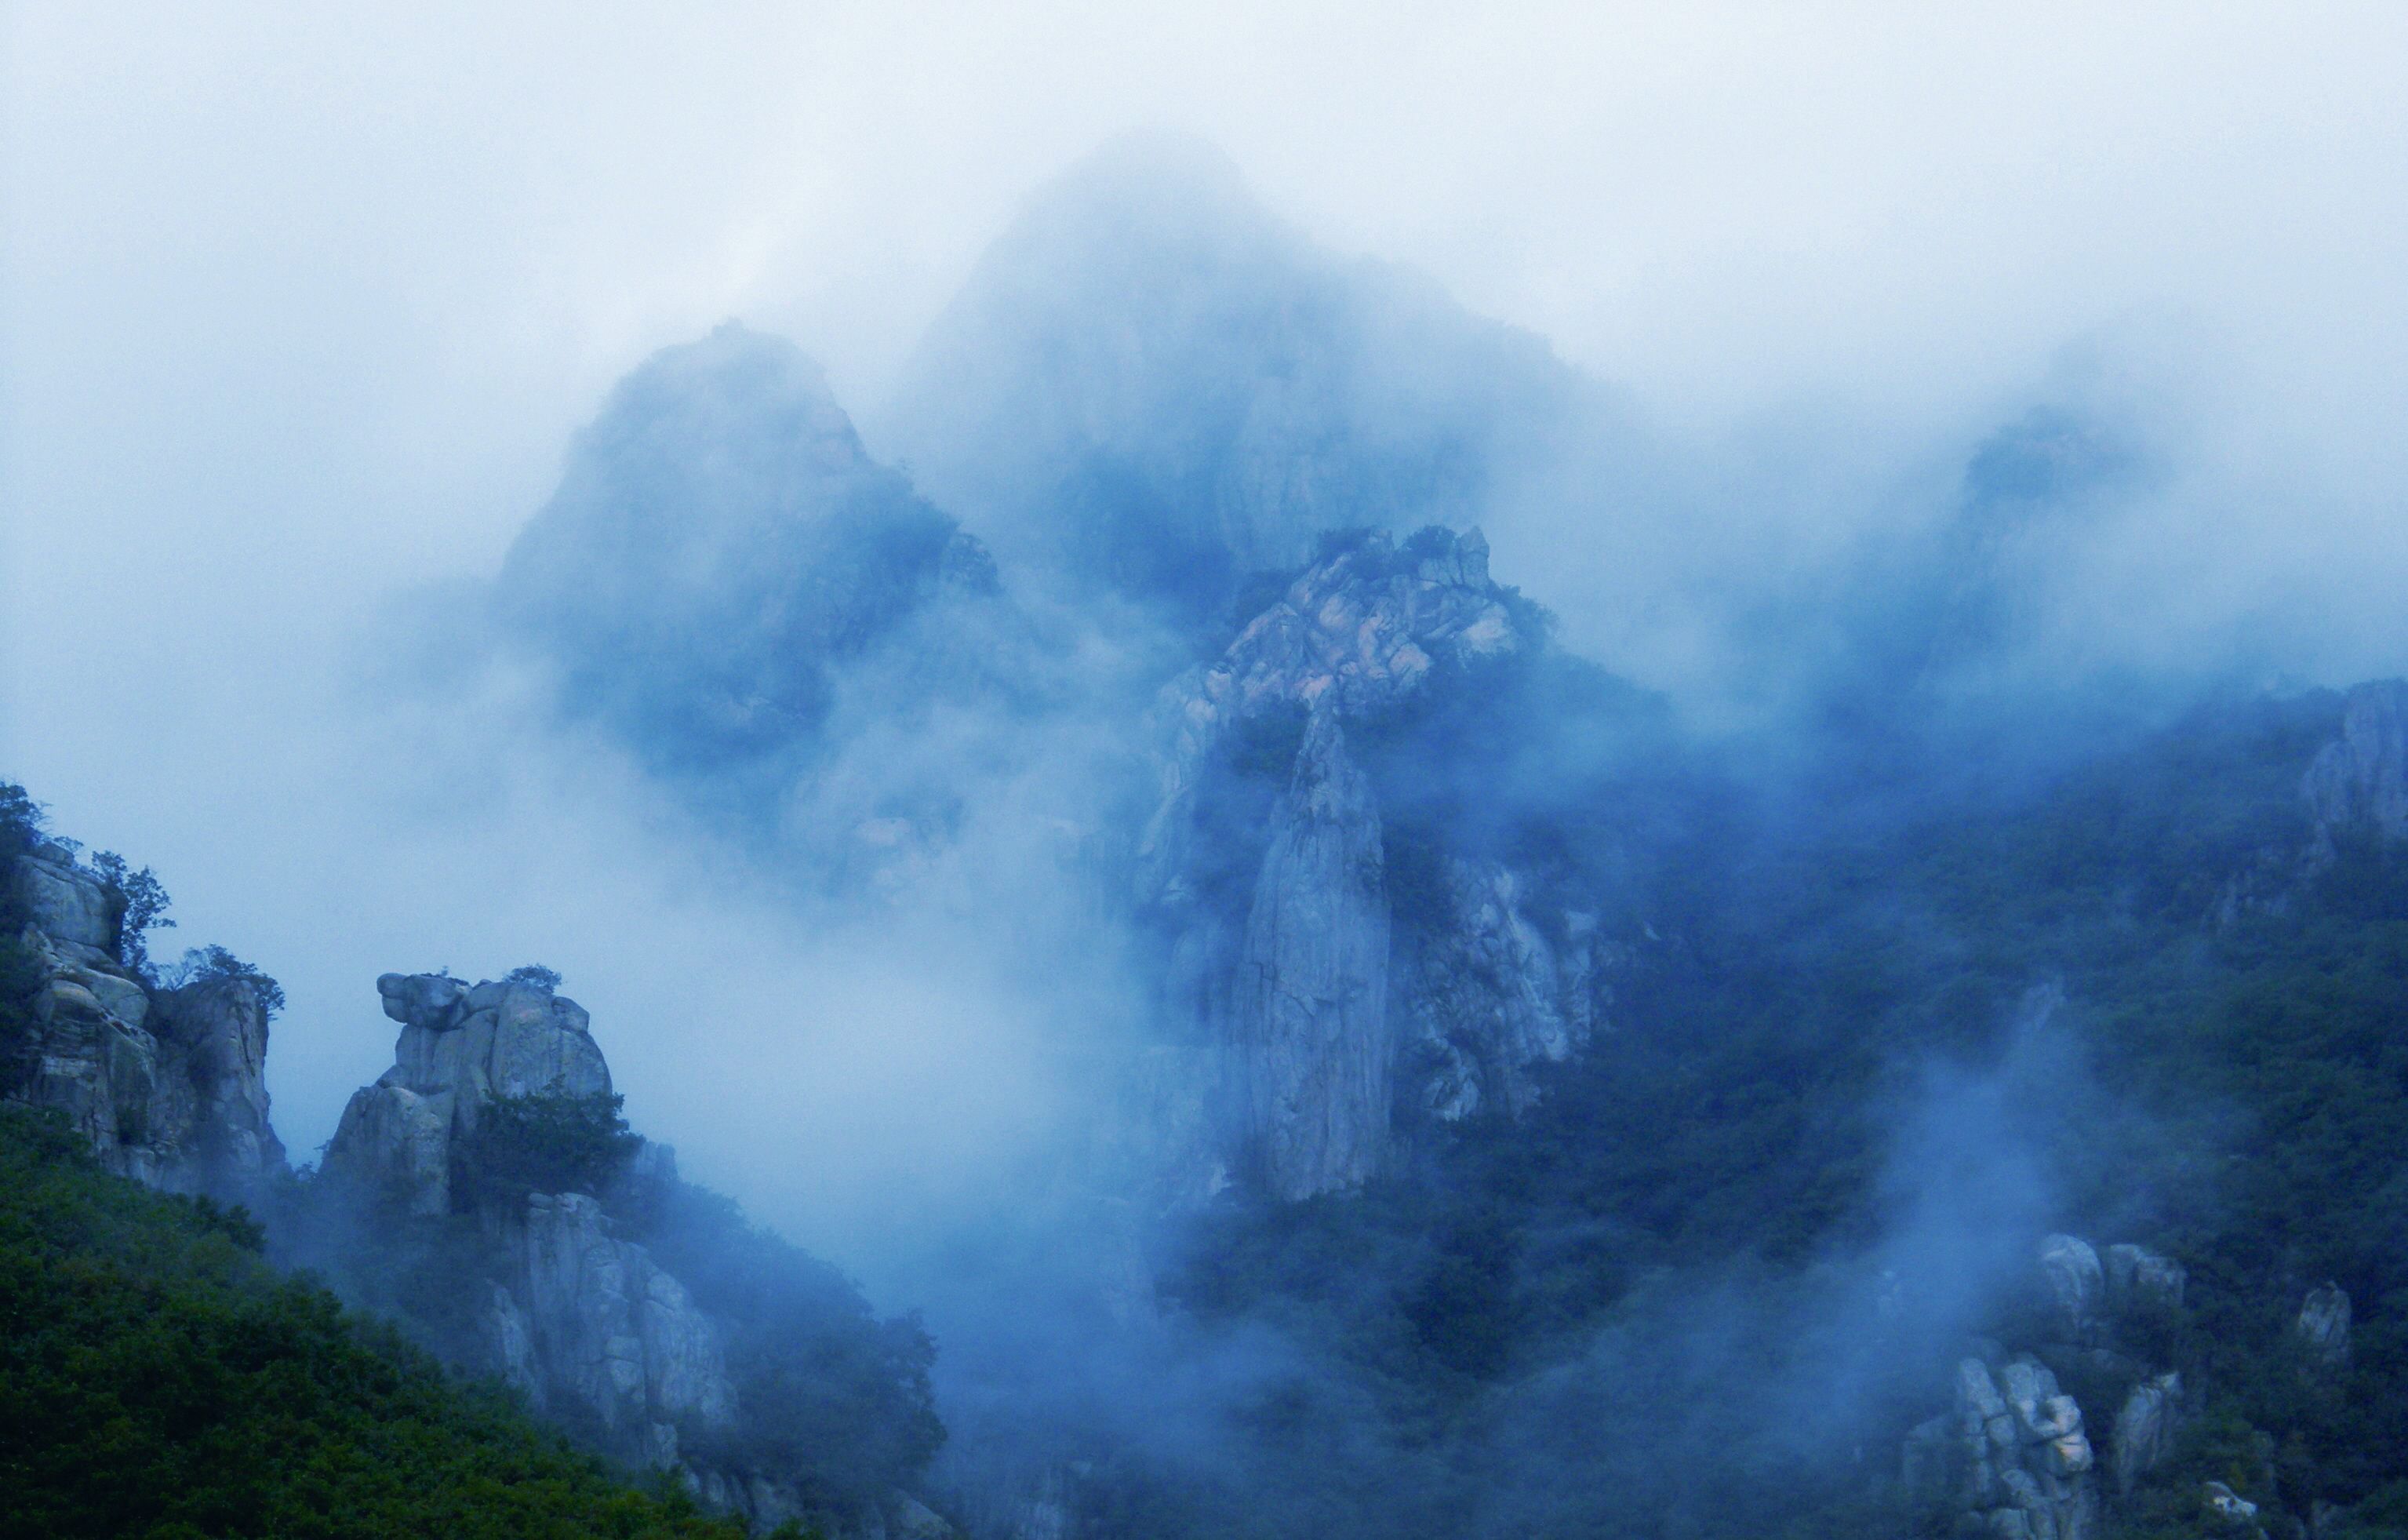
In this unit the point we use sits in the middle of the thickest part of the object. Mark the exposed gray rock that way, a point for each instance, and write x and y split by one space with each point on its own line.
2012 1457
434 1003
460 1048
394 1140
169 1088
1337 1019
2077 1284
580 1320
509 1348
1311 1032
1357 632
2139 1278
2145 1427
2359 783
612 1333
213 1082
2228 1510
62 900
2323 1324
1486 995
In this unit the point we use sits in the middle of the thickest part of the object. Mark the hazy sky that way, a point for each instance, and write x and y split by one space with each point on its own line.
301 303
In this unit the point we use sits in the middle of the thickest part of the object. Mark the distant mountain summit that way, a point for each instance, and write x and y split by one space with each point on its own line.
720 546
1154 387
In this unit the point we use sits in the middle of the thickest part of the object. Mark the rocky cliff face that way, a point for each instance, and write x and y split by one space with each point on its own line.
169 1084
2014 1456
2359 784
460 1047
1311 1028
584 1321
1342 1019
581 1321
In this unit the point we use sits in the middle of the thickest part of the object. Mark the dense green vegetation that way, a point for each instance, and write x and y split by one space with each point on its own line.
159 1380
833 1397
1663 1255
831 1394
547 1142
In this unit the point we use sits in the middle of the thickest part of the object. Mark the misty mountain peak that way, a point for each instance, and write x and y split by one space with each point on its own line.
1153 385
719 538
1151 189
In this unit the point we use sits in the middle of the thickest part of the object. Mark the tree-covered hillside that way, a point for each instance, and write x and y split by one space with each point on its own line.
1709 1283
159 1380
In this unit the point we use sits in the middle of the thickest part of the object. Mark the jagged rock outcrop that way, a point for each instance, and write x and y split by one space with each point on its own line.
69 906
582 1320
2144 1429
1486 994
1311 1032
2077 1283
1357 632
2139 1278
1349 1009
2357 784
460 1048
2323 1325
610 1333
2228 1511
2012 1455
169 1086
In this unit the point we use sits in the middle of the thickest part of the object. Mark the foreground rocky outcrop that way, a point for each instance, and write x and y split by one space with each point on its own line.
2014 1455
584 1321
461 1048
169 1084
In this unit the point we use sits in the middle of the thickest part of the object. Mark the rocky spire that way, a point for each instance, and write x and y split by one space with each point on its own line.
1311 1029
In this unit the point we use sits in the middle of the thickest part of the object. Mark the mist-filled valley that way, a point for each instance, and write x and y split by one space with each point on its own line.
1151 878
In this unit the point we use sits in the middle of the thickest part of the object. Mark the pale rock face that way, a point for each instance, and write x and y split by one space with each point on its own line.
169 1088
2323 1324
66 902
2012 1457
584 1323
2145 1429
2228 1510
213 1043
460 1049
612 1332
1311 1029
2138 1278
2077 1285
1355 633
1332 1023
1488 995
2360 780
390 1137
509 1348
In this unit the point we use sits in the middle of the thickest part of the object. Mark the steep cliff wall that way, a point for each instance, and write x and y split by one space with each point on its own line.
169 1084
1347 1006
2358 783
2016 1455
1311 1029
573 1310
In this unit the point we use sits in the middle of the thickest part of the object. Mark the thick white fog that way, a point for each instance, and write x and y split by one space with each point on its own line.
301 304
